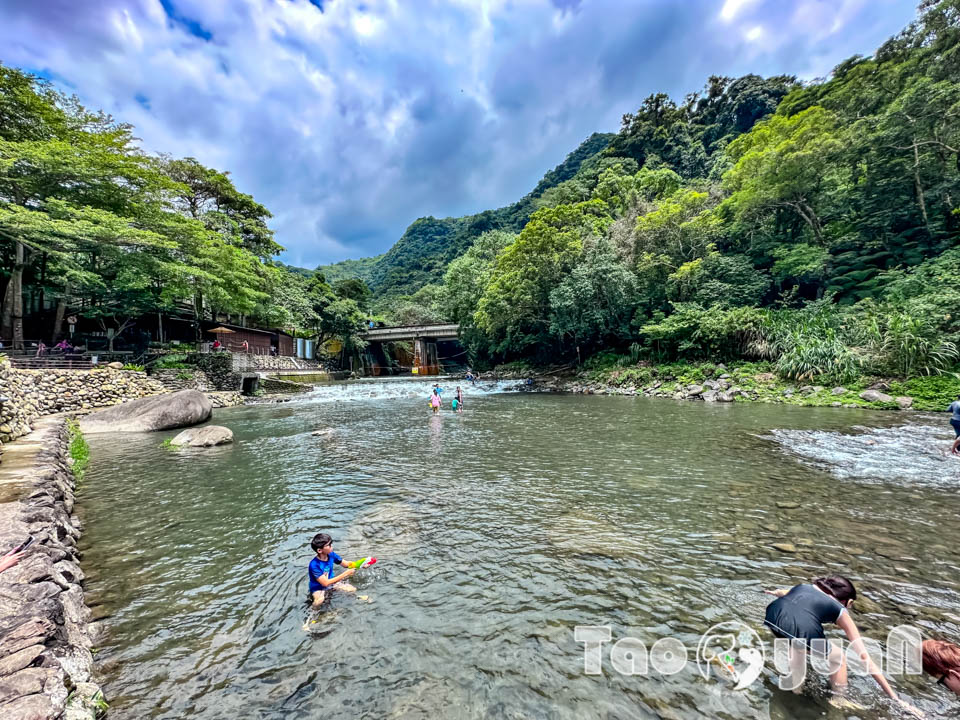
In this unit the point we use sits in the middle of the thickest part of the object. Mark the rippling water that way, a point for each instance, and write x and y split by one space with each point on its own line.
499 530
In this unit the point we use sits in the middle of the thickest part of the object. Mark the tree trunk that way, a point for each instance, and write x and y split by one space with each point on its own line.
198 312
61 311
41 295
918 187
159 326
6 323
16 280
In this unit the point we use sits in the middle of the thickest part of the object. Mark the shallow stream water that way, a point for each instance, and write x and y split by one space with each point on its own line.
498 531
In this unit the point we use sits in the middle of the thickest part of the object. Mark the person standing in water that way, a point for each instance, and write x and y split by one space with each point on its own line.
459 399
800 613
955 423
435 401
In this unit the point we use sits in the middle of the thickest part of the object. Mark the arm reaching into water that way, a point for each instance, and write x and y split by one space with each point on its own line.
776 593
327 582
849 627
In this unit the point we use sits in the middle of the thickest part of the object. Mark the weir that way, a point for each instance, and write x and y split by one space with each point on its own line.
414 349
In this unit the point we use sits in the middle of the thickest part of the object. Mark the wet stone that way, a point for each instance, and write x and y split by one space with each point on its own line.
785 547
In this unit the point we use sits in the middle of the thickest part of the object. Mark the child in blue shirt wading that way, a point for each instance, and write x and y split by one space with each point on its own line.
321 570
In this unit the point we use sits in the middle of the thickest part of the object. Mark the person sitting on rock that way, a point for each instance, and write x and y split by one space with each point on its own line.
942 660
320 570
799 615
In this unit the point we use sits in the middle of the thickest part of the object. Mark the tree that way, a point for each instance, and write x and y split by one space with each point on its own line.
595 304
786 163
514 309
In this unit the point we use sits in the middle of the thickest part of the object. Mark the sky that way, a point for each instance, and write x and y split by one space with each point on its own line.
349 120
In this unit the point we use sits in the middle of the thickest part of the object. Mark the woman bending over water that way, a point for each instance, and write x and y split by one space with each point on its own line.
800 614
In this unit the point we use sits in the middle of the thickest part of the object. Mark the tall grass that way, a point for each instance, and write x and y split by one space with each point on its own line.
78 449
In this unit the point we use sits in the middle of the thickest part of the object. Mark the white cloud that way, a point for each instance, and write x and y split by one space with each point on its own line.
731 9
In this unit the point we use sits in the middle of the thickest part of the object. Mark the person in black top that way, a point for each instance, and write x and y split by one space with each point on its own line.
800 613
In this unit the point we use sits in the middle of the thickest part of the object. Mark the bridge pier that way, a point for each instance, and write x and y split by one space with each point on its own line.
426 358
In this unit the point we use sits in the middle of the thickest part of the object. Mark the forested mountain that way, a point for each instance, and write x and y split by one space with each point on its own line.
422 254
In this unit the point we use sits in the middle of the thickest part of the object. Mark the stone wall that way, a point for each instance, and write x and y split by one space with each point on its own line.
32 393
218 370
46 633
242 361
174 379
271 385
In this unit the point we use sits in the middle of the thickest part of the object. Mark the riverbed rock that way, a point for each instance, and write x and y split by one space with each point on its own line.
709 396
785 547
163 412
787 505
903 402
206 436
839 390
694 390
728 396
115 365
875 396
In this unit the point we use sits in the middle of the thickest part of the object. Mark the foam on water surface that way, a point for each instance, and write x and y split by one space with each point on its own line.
913 453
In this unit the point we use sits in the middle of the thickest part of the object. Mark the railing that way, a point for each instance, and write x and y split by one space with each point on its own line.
57 362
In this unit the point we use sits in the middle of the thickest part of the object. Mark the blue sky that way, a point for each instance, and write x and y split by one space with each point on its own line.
351 119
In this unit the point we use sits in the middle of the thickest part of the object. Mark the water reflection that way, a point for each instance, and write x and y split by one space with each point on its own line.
498 531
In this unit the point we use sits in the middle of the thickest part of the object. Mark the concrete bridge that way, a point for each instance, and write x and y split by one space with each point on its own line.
446 331
433 346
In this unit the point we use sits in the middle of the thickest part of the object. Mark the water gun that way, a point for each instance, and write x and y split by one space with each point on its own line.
361 563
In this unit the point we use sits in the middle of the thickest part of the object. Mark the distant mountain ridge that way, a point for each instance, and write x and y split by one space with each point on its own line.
423 252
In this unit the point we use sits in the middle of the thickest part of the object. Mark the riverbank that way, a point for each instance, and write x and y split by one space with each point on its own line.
738 382
46 633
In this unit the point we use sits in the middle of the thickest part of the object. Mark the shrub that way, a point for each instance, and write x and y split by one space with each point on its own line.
171 362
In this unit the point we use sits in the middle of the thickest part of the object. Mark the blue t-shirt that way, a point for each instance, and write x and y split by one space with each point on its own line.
320 567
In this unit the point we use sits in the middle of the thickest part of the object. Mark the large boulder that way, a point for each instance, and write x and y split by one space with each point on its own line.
875 396
206 436
160 412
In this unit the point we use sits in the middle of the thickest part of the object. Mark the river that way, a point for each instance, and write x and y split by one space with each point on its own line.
498 531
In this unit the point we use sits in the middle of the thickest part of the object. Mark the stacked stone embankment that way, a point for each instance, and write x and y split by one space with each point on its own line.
46 630
30 394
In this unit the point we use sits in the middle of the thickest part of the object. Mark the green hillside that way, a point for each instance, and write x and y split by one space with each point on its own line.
425 249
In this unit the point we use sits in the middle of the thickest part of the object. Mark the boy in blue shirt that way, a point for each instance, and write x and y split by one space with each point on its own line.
321 570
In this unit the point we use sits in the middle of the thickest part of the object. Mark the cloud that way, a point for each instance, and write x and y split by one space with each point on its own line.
351 120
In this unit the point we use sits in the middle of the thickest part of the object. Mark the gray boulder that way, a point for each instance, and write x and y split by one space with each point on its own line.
875 396
694 390
840 390
159 412
206 436
728 396
903 402
709 396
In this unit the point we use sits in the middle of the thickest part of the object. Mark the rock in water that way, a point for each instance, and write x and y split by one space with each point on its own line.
206 436
160 412
904 402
